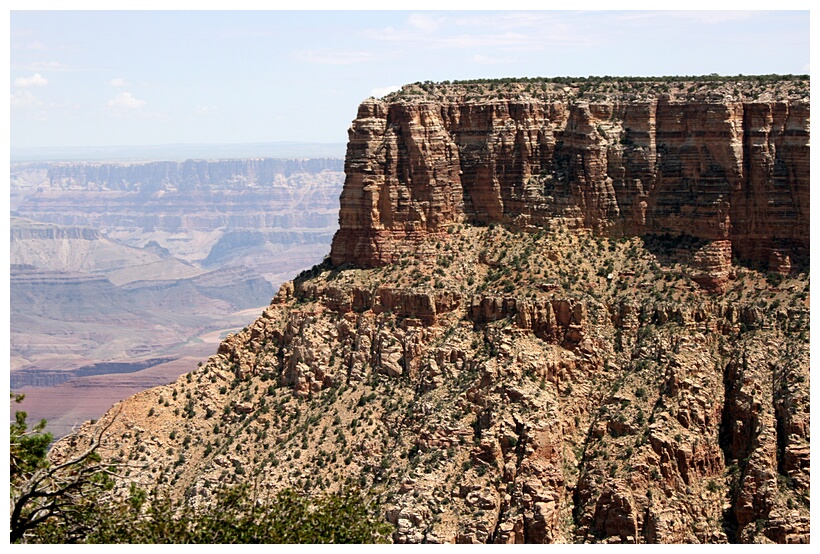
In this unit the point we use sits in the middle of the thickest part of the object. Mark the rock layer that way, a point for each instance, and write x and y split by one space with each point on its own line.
716 168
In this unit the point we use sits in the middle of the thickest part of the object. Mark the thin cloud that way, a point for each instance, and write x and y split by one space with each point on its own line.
125 100
705 17
205 110
24 99
28 42
243 33
118 82
514 20
35 80
327 56
511 40
564 28
524 31
489 60
66 106
43 66
425 23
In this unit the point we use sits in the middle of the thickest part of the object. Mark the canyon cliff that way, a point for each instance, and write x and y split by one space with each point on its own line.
697 160
553 312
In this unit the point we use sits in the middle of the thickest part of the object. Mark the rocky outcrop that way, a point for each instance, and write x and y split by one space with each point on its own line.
419 304
717 167
549 319
517 383
713 265
563 410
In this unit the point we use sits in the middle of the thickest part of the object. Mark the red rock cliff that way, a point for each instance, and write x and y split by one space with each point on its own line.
719 161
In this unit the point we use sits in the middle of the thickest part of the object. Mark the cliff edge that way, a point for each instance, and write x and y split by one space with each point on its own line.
714 159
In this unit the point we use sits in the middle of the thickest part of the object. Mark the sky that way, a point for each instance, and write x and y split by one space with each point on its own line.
104 78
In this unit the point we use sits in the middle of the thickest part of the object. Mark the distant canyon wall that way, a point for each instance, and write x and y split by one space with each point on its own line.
124 261
713 166
170 196
164 175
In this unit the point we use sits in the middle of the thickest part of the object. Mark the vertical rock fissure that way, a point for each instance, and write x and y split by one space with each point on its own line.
725 441
779 401
576 488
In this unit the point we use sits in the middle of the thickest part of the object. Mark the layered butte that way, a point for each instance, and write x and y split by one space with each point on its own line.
717 161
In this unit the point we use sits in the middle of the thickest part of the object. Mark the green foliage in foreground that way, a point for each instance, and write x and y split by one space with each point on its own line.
72 503
236 518
27 447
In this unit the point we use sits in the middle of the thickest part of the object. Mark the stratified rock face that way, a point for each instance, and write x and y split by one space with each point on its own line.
717 167
490 384
189 175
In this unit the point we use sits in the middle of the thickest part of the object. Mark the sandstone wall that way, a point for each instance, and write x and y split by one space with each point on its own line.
727 169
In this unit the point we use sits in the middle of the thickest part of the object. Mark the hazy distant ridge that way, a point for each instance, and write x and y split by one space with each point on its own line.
159 175
179 152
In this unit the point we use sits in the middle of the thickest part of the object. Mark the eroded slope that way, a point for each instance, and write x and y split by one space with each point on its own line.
502 386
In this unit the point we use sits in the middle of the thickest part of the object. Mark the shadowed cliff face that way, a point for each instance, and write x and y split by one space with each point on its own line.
713 169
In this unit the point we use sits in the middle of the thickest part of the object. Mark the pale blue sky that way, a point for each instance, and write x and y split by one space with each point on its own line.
86 78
